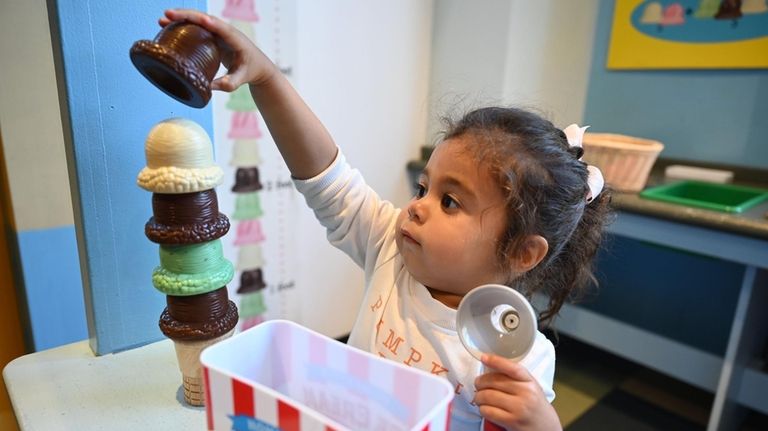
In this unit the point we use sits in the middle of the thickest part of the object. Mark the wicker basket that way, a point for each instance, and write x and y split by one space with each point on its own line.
625 161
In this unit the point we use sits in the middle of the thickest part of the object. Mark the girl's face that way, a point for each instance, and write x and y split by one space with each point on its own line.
448 233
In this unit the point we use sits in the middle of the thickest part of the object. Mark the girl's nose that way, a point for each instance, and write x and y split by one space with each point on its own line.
416 210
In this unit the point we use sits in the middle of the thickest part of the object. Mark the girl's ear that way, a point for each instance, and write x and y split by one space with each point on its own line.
532 252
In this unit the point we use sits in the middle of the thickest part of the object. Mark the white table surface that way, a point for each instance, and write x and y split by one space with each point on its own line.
69 388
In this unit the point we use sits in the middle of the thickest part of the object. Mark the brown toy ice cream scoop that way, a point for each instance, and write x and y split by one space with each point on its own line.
198 317
186 218
182 61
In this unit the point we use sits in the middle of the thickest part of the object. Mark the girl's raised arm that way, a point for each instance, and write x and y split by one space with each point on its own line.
303 141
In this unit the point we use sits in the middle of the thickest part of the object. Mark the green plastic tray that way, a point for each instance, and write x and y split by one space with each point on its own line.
718 197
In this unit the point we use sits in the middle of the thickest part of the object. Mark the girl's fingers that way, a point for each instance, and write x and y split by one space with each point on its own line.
513 370
231 42
193 16
506 376
221 84
236 78
493 397
500 382
190 15
496 415
226 83
497 406
227 33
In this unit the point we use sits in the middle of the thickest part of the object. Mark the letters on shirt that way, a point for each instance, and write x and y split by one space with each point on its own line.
395 344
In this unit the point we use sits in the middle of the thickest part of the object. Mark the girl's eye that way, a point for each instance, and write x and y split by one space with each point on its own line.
448 202
420 191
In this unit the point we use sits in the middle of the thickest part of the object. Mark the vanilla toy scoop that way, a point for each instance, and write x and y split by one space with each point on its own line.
179 158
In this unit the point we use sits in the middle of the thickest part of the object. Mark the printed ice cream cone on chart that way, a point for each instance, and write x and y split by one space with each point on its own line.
252 300
249 256
187 225
247 206
245 131
245 153
247 180
250 322
249 232
241 10
245 125
252 281
241 100
246 28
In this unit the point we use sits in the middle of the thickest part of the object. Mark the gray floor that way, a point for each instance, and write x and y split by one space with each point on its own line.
596 390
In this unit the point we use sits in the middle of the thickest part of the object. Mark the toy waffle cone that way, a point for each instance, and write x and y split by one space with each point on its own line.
188 355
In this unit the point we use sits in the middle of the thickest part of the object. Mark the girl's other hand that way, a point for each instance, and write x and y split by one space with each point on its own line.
510 397
245 62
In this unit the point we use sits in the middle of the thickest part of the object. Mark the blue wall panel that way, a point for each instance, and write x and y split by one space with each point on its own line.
701 115
109 109
53 286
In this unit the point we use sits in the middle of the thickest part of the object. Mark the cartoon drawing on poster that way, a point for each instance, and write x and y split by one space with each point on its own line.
657 34
261 200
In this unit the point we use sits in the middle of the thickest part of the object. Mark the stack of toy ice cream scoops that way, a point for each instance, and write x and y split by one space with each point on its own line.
187 224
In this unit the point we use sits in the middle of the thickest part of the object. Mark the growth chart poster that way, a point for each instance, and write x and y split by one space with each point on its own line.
257 193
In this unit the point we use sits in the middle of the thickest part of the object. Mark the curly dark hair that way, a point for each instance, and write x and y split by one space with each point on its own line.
545 185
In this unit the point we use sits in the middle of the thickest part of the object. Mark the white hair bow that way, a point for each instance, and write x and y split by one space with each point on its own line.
595 181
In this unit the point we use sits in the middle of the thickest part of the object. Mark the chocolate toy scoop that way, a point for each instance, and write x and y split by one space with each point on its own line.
182 61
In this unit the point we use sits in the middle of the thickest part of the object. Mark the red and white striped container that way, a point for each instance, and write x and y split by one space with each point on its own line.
280 375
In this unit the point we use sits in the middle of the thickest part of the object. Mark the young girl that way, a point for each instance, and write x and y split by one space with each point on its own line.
503 199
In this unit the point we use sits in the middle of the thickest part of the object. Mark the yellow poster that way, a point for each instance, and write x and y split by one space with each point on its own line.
689 34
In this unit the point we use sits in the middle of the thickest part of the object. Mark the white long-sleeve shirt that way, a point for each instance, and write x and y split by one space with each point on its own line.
398 318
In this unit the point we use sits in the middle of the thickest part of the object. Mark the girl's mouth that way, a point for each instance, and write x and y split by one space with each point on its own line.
407 237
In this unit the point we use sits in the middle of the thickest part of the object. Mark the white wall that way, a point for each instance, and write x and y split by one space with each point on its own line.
29 118
548 56
532 54
469 48
363 67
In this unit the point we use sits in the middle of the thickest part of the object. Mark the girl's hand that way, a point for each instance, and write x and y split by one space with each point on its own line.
245 62
510 397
